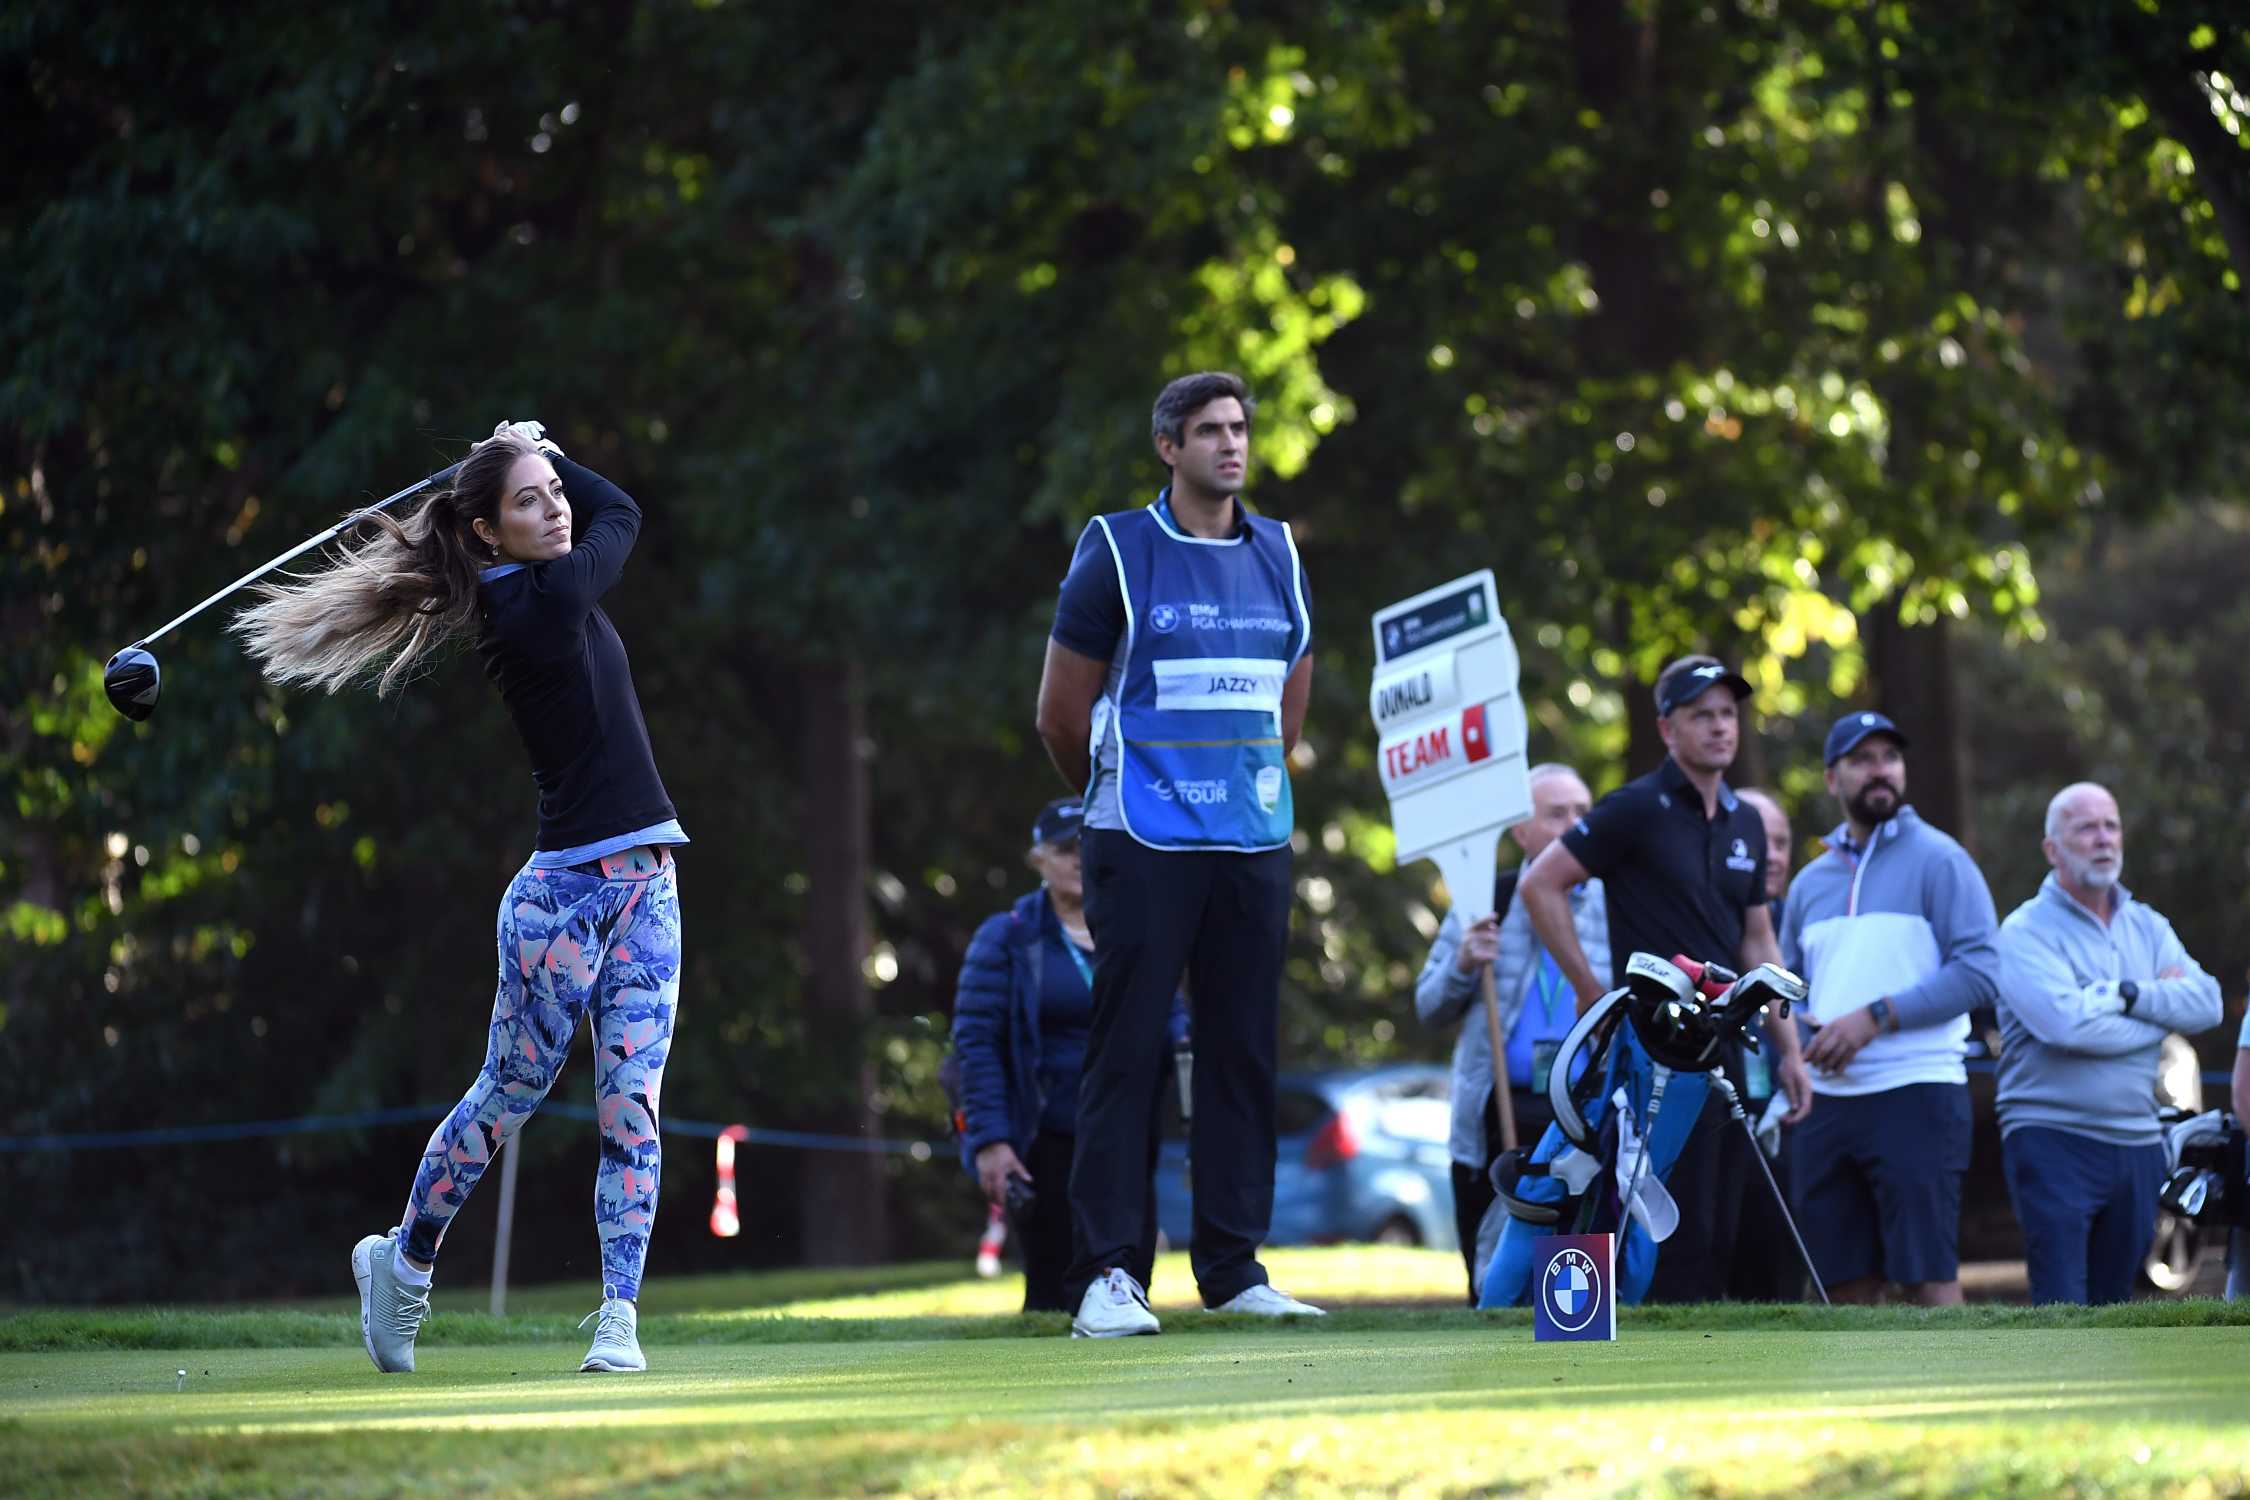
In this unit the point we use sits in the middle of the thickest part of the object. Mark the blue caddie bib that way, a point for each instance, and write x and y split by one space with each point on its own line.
1213 626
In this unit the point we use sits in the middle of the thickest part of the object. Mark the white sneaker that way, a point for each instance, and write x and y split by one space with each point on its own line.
617 1343
1266 1302
1113 1307
391 1311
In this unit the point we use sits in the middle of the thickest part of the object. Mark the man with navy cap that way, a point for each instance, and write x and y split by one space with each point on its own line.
1893 928
1682 860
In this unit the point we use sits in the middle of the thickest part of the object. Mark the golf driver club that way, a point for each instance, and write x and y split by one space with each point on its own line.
133 676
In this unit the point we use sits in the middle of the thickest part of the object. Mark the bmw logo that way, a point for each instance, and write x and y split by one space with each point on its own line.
1164 619
1573 1289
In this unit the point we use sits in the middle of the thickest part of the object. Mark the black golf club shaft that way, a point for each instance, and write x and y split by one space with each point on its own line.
298 551
1758 1153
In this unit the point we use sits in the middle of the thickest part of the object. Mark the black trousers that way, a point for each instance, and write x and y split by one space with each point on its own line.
1473 1193
1767 1267
1708 1182
1043 1236
1223 920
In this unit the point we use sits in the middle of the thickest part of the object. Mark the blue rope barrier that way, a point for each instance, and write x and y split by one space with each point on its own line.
800 1140
186 1135
429 1114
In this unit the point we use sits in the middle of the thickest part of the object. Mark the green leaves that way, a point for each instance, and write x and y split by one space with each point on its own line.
1741 327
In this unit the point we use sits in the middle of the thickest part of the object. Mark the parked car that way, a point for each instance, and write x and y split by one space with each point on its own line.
1362 1157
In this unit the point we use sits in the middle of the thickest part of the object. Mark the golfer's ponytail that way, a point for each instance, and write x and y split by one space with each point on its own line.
385 602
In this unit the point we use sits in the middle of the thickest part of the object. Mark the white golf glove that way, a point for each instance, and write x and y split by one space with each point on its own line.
534 433
1768 1130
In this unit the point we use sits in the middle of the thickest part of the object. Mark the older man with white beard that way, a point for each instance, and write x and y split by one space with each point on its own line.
2090 982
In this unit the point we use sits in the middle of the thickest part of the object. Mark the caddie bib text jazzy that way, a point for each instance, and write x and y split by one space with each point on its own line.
1213 626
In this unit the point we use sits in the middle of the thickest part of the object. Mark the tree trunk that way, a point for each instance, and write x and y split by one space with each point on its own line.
1912 668
845 1219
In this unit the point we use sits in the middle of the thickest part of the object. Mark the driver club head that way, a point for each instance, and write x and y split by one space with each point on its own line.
132 680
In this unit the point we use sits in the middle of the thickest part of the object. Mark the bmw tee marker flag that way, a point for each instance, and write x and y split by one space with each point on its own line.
1452 732
1576 1278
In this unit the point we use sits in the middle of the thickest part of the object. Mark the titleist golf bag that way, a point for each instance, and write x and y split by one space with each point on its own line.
1656 1042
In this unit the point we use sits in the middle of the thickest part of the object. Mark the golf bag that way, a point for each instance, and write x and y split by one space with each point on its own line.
2208 1159
1601 1166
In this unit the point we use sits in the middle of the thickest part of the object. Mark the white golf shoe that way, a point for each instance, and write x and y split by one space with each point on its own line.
1267 1302
1113 1307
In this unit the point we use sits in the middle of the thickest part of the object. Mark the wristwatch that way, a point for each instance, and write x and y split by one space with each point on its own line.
1879 1011
2128 992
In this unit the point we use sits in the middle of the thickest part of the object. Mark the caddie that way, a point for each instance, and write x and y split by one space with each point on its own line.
1175 686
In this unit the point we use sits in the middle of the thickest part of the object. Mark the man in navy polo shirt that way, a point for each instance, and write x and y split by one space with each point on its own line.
1175 687
1683 861
1893 928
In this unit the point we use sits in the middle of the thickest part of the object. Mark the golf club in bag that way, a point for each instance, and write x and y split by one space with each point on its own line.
2209 1160
133 676
1652 1050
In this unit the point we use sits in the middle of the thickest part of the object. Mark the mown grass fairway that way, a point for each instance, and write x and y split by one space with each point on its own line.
796 1388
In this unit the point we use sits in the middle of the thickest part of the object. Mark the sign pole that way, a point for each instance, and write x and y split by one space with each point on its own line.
1501 1093
504 1236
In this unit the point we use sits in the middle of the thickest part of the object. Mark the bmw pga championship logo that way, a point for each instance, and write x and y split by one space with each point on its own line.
1573 1290
1164 619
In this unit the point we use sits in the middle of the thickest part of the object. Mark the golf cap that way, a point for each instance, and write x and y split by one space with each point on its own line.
1058 822
1690 678
1851 729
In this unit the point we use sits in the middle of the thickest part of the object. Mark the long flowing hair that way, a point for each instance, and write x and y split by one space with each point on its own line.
384 603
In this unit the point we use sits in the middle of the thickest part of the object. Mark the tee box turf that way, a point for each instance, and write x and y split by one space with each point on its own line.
1575 1277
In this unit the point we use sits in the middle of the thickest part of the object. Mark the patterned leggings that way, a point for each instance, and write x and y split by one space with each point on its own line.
572 944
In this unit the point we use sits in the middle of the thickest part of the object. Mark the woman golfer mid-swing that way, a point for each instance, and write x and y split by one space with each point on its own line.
521 550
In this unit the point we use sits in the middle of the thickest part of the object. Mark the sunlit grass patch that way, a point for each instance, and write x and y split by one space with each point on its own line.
938 1299
1366 1288
1472 1408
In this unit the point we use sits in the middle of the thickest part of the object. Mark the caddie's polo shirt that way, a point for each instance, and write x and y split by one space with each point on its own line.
1677 882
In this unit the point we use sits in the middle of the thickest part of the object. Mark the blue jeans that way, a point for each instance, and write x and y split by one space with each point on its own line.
2088 1211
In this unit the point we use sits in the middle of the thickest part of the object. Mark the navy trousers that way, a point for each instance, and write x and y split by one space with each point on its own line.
2088 1211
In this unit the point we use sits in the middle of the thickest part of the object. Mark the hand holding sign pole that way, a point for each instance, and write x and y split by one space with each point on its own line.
1452 751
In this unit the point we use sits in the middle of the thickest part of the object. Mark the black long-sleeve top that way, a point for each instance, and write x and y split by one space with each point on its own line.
562 671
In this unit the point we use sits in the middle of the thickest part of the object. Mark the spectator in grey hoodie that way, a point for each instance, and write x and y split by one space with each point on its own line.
1892 928
2090 982
1536 1005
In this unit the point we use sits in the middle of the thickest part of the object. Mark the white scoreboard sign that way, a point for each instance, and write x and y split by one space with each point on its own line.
1452 732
